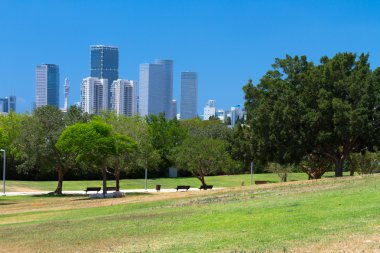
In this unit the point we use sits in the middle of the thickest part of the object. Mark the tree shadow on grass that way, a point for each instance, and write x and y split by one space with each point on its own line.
87 197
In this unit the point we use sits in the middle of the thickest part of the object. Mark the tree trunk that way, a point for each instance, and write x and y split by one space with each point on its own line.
60 182
117 178
202 179
339 167
352 171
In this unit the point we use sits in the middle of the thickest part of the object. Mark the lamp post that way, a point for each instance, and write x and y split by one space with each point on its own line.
146 174
3 150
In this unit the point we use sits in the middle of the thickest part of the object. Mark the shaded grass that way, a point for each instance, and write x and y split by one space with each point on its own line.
217 181
268 218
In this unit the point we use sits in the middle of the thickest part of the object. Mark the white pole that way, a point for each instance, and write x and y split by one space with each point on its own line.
146 174
251 172
3 150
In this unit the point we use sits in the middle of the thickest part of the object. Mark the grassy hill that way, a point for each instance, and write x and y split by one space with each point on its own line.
328 215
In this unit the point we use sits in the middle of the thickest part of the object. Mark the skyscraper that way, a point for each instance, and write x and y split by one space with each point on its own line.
105 65
47 85
174 109
94 97
8 104
124 97
156 88
189 94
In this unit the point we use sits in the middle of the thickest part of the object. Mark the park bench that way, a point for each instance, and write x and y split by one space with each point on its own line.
93 189
261 182
111 188
205 187
183 187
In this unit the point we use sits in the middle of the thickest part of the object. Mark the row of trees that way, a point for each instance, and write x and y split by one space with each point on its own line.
307 117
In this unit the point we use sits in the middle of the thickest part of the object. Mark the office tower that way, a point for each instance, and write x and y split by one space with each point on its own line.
209 110
47 85
94 97
8 104
156 88
105 65
174 109
189 95
12 103
67 88
124 97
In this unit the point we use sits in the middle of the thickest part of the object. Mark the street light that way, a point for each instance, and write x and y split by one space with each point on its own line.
3 150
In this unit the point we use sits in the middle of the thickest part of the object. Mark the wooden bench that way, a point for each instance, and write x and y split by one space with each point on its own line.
205 187
183 187
261 182
93 189
112 188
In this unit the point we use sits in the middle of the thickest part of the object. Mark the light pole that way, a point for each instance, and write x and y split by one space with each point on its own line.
146 174
3 150
251 172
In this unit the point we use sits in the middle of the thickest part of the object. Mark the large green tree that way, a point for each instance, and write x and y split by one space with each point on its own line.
38 138
202 157
331 109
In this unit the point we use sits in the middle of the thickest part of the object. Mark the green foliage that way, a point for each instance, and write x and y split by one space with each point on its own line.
202 157
165 135
365 163
315 165
330 110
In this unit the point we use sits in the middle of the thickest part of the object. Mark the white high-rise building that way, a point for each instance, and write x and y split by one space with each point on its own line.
94 95
209 110
47 85
189 94
124 100
156 88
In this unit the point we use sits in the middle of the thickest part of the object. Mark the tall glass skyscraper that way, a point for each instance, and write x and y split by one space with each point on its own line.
105 65
156 88
47 85
189 95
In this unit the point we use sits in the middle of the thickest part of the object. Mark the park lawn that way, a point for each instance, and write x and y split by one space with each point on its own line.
307 216
217 181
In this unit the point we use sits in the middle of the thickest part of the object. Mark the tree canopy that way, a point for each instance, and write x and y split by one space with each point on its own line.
299 108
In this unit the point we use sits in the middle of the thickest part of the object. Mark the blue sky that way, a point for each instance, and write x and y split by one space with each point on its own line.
225 41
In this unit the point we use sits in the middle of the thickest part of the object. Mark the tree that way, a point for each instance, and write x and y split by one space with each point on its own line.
37 144
315 165
93 144
202 157
164 136
364 162
331 110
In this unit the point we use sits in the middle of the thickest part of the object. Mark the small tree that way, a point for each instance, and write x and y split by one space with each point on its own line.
315 165
282 171
202 157
364 163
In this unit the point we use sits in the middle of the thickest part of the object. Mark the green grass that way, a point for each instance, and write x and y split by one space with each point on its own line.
217 181
259 219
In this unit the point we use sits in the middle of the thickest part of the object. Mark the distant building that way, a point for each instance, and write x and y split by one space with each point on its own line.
174 109
221 115
156 88
94 97
8 104
47 85
124 100
237 114
209 110
105 65
189 95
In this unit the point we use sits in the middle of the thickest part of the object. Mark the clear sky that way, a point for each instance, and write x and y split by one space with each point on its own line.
225 41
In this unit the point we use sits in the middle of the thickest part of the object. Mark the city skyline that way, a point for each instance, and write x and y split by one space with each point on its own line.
227 43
